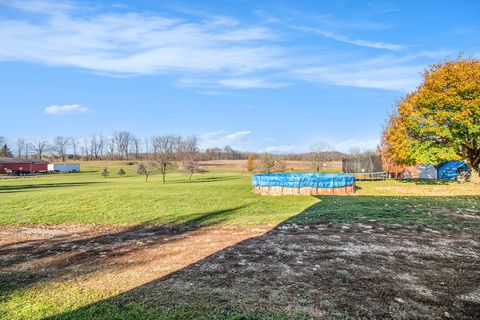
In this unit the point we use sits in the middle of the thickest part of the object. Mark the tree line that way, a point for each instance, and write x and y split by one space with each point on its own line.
121 145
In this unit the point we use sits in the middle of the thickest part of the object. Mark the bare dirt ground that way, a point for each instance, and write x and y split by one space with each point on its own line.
110 258
316 270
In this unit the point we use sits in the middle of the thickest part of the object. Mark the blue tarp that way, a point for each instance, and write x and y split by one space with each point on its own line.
450 170
300 180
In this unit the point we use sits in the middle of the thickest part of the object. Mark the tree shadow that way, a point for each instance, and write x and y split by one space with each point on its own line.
321 267
28 262
207 179
28 187
425 181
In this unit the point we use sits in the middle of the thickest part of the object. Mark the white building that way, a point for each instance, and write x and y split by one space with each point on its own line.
64 167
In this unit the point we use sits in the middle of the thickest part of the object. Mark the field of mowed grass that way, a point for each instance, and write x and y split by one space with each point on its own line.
214 197
87 197
63 277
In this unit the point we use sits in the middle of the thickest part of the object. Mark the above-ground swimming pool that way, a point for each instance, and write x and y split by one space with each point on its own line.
303 184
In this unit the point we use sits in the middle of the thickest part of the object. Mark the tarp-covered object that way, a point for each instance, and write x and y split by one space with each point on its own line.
300 180
427 171
450 170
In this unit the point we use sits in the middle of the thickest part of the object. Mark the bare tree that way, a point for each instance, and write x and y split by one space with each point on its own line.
122 142
111 143
188 150
136 144
164 152
39 147
268 163
146 169
96 145
354 151
22 148
85 148
190 167
74 143
187 147
60 145
319 153
147 150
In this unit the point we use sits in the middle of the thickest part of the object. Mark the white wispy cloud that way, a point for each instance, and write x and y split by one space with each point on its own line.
66 109
342 146
388 73
249 83
236 135
212 54
348 145
211 135
134 43
356 42
39 6
283 149
221 138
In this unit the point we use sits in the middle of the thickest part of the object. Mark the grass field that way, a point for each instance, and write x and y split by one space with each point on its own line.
78 246
213 197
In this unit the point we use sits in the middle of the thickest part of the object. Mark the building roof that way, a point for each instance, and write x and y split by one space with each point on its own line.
22 160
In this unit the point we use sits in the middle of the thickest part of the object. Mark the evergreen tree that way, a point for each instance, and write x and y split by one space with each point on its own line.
5 152
105 173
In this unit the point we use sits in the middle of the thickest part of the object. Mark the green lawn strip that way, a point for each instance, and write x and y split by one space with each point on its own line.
216 197
89 198
67 301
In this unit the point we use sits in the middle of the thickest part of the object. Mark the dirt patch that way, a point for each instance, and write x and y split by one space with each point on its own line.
317 270
107 257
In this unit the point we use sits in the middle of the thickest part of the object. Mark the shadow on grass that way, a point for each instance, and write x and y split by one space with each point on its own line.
75 255
206 179
425 181
317 269
29 187
433 211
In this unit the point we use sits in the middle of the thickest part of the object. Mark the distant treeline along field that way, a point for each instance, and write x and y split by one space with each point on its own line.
124 145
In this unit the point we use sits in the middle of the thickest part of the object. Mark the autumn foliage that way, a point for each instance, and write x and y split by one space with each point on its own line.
440 121
250 163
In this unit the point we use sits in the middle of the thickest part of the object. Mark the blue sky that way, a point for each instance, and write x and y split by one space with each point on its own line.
257 75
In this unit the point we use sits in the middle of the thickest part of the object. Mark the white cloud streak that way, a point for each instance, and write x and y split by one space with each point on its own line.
213 53
363 145
283 149
249 83
342 146
356 42
135 43
221 138
388 73
66 109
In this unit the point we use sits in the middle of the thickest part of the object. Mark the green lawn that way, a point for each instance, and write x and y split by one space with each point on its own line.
219 197
213 197
210 198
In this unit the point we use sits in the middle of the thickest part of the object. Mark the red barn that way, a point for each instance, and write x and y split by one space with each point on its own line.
19 165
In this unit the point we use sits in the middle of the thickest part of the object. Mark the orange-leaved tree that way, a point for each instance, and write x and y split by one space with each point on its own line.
440 121
250 163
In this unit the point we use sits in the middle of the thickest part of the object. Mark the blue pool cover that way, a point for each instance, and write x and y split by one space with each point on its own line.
300 180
